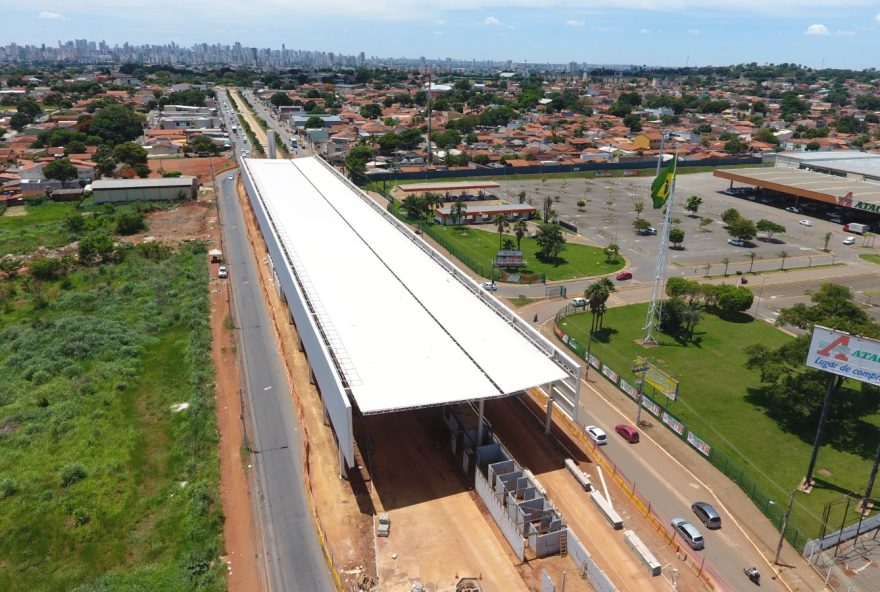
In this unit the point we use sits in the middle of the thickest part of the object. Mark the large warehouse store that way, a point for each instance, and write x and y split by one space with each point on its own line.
387 323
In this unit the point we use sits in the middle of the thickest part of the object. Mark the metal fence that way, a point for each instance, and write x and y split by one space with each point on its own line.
775 512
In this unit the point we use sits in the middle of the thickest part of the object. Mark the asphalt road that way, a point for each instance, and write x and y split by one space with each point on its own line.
292 552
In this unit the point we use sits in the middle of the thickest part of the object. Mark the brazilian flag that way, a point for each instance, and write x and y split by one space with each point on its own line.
662 186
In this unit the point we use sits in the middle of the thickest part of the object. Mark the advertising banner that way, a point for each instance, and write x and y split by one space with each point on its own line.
629 389
845 355
673 423
651 406
699 444
595 362
611 374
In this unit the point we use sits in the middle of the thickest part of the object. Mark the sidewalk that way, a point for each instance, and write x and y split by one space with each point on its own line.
794 572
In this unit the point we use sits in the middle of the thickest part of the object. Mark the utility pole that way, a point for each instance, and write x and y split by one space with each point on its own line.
429 120
640 369
784 525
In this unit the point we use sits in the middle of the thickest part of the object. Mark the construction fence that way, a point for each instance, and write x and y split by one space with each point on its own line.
774 512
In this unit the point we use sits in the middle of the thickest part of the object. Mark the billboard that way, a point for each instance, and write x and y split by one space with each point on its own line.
659 379
847 355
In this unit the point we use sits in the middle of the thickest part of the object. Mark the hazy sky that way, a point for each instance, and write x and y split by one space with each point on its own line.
836 33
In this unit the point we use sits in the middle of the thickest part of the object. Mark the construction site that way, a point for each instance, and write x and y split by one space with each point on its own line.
442 441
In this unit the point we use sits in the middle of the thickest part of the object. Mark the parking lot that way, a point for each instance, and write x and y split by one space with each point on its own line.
609 211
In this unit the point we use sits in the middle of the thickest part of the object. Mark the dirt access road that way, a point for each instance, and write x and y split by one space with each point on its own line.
245 112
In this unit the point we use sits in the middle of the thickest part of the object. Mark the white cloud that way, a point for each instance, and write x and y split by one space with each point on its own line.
574 23
844 33
439 23
644 31
694 31
46 15
817 31
491 21
877 18
438 33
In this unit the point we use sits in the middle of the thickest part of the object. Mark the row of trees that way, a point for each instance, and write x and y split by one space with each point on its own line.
687 299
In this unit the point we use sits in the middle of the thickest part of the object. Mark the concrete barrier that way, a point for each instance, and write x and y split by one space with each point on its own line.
606 509
581 477
647 558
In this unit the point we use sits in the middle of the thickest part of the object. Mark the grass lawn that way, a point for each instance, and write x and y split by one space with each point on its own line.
39 226
715 402
872 257
479 247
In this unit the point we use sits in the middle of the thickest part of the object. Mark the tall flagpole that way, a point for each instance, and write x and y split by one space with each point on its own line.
655 311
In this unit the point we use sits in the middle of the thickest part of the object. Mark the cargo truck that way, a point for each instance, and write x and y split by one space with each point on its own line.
856 228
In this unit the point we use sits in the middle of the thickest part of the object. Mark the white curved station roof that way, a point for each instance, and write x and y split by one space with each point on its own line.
406 332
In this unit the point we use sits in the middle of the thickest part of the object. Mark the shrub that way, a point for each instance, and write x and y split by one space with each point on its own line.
36 199
130 223
45 268
71 473
8 488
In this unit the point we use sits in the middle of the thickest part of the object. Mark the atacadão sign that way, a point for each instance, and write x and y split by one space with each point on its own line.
844 354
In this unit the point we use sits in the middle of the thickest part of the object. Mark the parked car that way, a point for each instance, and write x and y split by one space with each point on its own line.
624 275
489 286
707 515
689 533
579 302
805 222
597 435
628 432
793 210
222 272
736 242
850 240
650 230
230 177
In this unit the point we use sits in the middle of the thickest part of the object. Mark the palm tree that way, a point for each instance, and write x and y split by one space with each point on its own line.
611 252
458 210
520 229
752 255
640 205
726 262
690 315
597 293
501 223
432 200
522 197
784 255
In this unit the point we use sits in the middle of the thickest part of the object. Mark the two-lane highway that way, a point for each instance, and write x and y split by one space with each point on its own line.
292 553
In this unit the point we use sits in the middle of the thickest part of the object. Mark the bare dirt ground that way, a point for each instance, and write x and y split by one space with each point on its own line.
518 424
186 221
195 167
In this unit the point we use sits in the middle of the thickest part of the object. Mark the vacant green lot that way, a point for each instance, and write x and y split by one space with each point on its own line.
479 247
717 402
24 228
102 485
873 258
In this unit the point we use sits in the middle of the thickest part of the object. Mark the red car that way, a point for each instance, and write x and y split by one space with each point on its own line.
624 275
629 433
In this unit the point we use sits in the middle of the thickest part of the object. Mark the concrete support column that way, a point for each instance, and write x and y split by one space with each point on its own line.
548 422
342 471
299 341
480 425
311 375
326 415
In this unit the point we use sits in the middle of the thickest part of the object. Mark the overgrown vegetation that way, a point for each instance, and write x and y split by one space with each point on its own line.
102 485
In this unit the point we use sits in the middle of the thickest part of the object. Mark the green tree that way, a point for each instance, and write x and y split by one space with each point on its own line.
770 227
281 99
130 153
641 225
638 208
611 252
501 224
704 222
314 122
388 142
414 206
61 170
371 111
458 210
356 161
726 262
597 295
743 229
729 216
751 257
116 124
202 144
693 204
734 146
676 236
782 255
551 241
520 228
813 146
828 236
792 393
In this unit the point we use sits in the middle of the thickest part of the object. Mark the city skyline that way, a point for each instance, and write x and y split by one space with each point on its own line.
815 33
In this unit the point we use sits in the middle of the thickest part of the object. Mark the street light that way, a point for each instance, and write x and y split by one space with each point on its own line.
640 369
